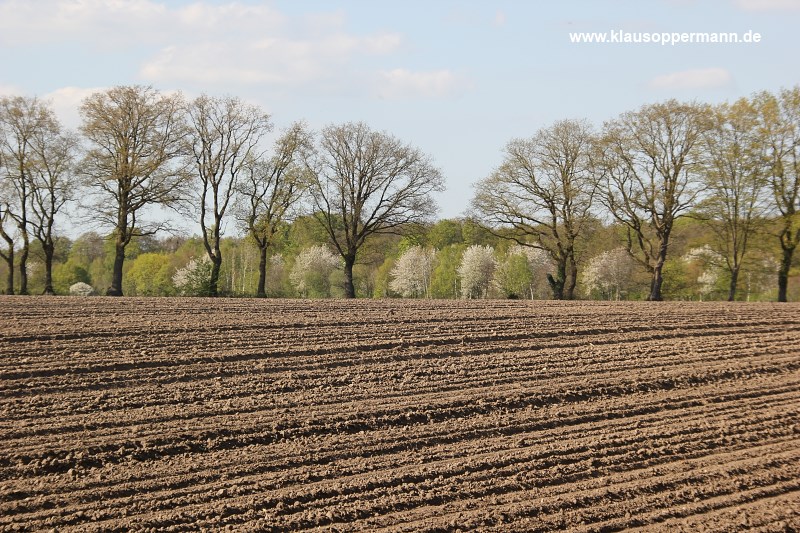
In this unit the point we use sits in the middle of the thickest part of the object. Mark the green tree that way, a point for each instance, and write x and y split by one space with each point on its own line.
136 139
368 183
735 180
444 233
779 122
67 274
150 274
650 160
444 280
194 278
542 195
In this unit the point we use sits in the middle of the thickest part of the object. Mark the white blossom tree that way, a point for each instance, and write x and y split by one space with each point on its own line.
609 274
411 275
312 270
194 279
710 265
476 271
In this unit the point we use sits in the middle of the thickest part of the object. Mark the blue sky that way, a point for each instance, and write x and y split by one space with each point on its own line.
458 79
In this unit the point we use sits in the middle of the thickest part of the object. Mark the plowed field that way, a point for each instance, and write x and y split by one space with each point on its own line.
190 414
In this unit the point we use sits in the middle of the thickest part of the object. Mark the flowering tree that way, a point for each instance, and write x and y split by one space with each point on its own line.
710 265
194 279
411 275
609 274
476 271
311 274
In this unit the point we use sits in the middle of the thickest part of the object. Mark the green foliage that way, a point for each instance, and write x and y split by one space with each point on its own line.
382 279
444 281
150 274
69 273
513 277
474 233
305 231
444 233
194 279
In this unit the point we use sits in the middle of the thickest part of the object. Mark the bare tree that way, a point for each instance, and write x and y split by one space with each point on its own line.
650 162
225 138
271 188
53 184
779 122
21 119
735 178
136 137
367 183
543 192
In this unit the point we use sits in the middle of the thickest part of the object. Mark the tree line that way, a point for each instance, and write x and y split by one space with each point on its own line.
570 210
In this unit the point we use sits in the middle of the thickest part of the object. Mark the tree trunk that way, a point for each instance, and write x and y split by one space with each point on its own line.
571 278
10 277
556 287
557 282
49 251
656 284
783 274
216 266
23 265
349 288
261 292
658 277
733 284
116 275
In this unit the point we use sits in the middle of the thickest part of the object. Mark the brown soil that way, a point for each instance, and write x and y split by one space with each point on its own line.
190 414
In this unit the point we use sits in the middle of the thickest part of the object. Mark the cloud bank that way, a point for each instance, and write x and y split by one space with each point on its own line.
208 46
703 78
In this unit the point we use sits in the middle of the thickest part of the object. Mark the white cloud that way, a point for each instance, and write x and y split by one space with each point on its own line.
768 5
216 45
202 42
276 60
10 90
67 101
702 78
110 22
402 83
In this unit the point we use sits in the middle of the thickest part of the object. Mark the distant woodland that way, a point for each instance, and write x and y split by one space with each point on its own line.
674 200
